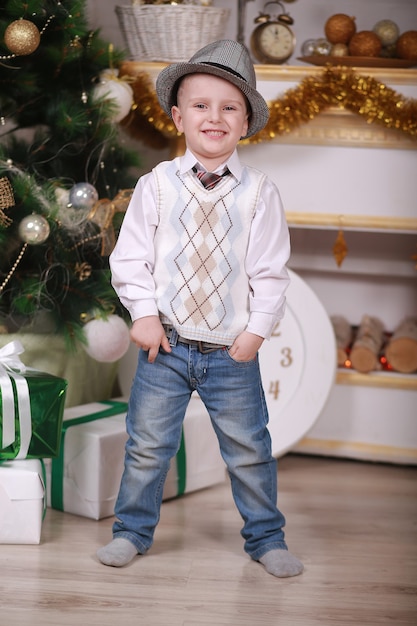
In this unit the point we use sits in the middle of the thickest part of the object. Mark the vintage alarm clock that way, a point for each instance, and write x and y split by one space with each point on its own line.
272 40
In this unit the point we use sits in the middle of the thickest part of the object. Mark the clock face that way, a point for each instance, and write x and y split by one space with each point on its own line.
298 366
273 42
287 349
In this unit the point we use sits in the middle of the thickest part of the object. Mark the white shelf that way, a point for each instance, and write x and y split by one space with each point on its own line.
371 253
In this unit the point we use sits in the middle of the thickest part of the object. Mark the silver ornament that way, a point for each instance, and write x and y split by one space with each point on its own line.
83 196
34 229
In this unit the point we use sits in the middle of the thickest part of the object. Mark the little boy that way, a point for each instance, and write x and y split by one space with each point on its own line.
200 266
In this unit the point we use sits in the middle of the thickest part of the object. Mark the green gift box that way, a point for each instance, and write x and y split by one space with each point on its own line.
31 408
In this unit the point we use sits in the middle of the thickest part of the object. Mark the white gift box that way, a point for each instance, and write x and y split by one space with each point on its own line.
85 479
22 495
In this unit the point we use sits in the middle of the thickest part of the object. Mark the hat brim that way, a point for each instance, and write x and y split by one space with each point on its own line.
166 89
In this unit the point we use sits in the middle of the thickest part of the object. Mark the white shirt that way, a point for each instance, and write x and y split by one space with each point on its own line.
268 251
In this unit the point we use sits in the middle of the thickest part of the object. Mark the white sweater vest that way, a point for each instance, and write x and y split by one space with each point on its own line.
201 241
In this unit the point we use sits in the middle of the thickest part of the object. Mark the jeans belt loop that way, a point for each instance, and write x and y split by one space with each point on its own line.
172 335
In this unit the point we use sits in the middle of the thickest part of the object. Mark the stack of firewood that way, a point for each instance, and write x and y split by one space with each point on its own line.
369 347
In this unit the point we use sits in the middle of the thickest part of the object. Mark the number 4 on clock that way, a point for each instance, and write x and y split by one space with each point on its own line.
274 389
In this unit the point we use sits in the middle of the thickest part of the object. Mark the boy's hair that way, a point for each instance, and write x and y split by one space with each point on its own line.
225 59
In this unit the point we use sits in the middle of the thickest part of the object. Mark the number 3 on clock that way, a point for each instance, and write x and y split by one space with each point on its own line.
287 360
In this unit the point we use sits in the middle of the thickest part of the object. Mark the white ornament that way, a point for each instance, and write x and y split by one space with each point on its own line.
119 91
107 340
34 229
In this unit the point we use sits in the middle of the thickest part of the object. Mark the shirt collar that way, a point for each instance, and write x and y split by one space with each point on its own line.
188 160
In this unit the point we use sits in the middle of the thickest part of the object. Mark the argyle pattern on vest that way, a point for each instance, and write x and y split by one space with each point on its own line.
200 285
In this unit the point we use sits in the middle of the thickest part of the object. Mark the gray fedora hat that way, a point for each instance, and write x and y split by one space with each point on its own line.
226 59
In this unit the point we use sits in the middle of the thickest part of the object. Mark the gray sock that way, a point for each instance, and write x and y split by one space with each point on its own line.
117 553
281 563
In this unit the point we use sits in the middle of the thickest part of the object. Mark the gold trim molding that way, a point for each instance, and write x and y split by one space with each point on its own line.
350 221
377 379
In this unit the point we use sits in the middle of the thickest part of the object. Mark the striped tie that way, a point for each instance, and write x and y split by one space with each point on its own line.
209 179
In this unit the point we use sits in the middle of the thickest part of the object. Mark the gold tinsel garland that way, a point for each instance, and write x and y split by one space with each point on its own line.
341 87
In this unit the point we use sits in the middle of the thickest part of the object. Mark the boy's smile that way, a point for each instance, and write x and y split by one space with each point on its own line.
213 115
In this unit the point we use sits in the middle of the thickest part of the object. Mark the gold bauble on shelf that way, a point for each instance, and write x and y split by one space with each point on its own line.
22 37
365 43
339 50
340 28
387 31
407 45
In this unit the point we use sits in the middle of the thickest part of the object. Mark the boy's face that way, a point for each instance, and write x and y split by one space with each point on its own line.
212 113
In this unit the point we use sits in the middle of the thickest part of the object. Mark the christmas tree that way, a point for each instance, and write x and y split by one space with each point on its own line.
64 171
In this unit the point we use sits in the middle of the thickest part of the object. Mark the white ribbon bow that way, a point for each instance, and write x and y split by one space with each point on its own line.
11 367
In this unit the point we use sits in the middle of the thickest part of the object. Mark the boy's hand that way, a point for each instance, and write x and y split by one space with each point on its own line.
148 333
245 346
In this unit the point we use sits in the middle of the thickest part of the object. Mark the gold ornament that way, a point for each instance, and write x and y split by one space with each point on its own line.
22 37
365 44
407 45
340 248
387 31
339 50
6 193
339 28
102 214
6 200
82 270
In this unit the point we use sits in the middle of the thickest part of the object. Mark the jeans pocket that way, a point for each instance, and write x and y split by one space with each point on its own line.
239 363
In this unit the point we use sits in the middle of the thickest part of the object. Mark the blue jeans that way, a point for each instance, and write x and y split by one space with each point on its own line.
233 395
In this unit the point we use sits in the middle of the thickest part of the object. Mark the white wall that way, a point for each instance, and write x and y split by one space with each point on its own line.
309 16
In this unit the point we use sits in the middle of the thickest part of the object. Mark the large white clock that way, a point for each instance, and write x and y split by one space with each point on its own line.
298 366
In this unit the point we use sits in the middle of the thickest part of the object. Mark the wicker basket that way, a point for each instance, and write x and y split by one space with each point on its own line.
169 32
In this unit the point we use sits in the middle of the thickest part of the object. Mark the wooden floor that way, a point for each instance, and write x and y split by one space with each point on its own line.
353 524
